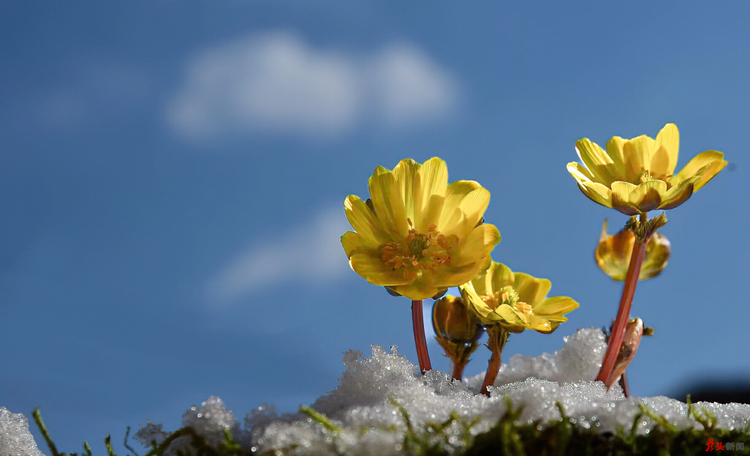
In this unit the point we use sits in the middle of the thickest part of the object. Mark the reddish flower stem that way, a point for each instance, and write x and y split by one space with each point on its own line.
623 313
493 367
496 343
458 371
419 338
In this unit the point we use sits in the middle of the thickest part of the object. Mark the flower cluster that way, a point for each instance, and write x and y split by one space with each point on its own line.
417 236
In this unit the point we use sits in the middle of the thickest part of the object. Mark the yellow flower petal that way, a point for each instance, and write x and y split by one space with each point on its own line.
422 288
454 204
647 196
405 174
540 324
479 243
580 172
481 310
454 276
431 213
615 150
668 140
637 156
679 194
598 164
351 242
659 166
371 268
498 277
531 289
473 201
364 221
553 308
388 204
597 192
711 160
433 180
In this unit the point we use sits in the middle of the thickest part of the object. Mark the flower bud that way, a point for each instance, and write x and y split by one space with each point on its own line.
456 330
613 254
634 330
452 321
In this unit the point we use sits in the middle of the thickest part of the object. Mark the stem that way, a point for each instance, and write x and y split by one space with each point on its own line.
458 371
623 313
460 357
419 337
496 343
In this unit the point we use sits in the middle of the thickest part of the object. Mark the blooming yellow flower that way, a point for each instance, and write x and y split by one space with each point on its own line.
417 235
637 175
516 301
613 254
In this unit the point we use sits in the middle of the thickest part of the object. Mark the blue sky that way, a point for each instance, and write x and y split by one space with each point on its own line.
173 174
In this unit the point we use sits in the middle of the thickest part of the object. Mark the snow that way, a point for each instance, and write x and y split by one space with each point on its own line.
15 438
365 418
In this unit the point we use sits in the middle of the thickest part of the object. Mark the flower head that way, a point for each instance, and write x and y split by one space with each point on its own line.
416 234
613 254
516 301
637 175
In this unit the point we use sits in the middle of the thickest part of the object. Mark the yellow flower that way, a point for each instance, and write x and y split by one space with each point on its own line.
417 235
516 301
637 175
613 254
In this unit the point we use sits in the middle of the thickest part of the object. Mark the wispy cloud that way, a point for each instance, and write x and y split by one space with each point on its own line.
308 254
278 83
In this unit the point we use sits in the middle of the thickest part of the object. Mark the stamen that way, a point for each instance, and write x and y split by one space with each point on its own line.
417 252
525 308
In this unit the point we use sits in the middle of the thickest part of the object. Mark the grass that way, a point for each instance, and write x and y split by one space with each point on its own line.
506 437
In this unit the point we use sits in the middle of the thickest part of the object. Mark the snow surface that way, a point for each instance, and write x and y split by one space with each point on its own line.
15 438
368 422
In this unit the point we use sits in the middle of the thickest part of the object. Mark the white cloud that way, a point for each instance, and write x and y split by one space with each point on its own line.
310 254
409 86
278 83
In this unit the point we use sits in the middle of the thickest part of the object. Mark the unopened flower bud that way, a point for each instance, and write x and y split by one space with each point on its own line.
613 254
452 321
456 330
634 330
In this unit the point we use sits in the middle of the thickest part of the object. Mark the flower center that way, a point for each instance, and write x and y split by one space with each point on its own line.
509 296
647 176
417 252
506 295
